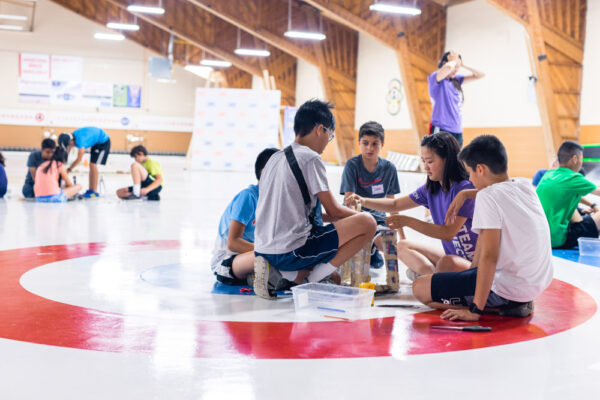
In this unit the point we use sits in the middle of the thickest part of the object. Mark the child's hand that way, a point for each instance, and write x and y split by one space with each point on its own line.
353 200
396 222
460 314
454 208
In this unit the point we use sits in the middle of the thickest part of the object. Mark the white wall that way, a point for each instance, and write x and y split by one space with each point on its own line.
308 83
493 43
590 94
60 31
377 66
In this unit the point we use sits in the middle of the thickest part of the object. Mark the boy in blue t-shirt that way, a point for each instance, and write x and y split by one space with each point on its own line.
370 176
83 138
233 254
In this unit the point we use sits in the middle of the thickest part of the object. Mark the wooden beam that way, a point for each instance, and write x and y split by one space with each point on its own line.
566 46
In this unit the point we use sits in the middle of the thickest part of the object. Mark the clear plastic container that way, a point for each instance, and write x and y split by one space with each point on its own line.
589 247
332 300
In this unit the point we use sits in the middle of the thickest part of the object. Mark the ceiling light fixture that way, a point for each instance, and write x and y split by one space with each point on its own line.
303 34
12 27
395 8
199 70
209 62
13 17
145 9
123 27
248 51
109 36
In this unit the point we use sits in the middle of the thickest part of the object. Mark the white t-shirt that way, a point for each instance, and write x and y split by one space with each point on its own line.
281 216
524 268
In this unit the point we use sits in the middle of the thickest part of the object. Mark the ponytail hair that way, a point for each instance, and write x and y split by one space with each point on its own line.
60 156
455 82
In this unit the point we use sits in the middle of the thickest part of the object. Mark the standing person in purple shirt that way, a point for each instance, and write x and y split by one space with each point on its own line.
446 177
445 91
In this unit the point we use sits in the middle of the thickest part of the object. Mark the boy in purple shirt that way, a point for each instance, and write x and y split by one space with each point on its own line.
446 177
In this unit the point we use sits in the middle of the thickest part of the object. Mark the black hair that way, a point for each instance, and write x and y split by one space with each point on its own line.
64 139
312 113
371 128
2 159
582 171
455 82
48 144
567 150
446 147
60 155
137 150
261 160
487 150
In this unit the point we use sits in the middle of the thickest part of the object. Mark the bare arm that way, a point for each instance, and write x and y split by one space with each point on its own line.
475 74
442 232
235 242
158 180
65 177
387 205
458 202
391 196
446 70
333 210
80 154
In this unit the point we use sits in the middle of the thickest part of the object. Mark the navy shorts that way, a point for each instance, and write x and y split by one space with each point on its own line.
575 230
153 194
458 288
99 153
320 247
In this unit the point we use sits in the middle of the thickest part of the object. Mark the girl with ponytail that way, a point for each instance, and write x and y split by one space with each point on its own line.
48 176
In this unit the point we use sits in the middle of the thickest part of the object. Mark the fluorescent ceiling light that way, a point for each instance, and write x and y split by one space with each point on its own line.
13 17
109 36
165 80
123 27
253 52
394 8
305 35
215 63
201 71
12 27
145 9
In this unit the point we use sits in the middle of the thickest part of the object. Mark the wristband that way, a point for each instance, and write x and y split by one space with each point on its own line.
474 309
594 205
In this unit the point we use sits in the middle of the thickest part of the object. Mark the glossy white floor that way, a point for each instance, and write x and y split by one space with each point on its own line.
152 276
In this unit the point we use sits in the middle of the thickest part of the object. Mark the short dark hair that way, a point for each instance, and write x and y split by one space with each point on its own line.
312 113
567 150
371 128
48 144
487 150
261 160
137 150
445 146
64 139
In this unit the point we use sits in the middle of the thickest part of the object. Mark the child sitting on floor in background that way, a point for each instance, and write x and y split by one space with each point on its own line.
147 175
560 191
36 158
48 176
370 176
446 178
233 254
290 235
3 180
513 258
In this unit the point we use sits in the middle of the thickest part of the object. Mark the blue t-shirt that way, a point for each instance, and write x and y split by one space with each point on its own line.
242 209
538 177
3 181
377 184
463 244
89 136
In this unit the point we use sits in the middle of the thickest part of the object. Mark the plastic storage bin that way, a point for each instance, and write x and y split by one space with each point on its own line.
589 247
334 300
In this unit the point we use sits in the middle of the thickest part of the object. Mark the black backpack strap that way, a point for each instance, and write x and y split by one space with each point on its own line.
291 159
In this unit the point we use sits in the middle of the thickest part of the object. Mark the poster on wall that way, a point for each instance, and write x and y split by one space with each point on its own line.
67 93
34 67
66 68
231 126
127 96
97 94
34 92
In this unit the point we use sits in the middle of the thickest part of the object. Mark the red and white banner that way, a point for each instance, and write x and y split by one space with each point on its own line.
34 67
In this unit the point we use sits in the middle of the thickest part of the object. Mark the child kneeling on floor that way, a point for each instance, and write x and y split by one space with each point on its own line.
233 254
47 180
513 256
289 235
147 175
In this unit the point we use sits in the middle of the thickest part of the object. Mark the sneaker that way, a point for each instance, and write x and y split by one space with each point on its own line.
265 279
132 197
521 310
90 194
411 275
376 258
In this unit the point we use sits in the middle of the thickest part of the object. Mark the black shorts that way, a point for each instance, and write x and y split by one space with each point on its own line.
225 273
575 230
153 194
99 152
458 288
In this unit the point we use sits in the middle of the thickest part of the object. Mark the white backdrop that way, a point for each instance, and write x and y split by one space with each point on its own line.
231 126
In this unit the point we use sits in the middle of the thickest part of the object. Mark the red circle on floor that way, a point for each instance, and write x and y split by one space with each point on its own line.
27 317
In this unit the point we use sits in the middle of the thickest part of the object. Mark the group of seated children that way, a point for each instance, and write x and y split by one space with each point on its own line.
47 177
496 250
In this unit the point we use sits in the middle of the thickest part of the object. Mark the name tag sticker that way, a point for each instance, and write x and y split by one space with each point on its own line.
377 189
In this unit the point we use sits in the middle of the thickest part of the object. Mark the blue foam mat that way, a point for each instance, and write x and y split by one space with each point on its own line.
221 288
573 255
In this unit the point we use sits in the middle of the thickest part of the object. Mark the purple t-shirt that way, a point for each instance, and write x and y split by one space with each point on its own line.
447 103
463 244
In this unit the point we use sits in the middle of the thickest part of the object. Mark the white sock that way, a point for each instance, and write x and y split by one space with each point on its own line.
321 271
137 189
289 275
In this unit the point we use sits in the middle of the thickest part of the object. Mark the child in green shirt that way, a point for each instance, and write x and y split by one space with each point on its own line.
147 175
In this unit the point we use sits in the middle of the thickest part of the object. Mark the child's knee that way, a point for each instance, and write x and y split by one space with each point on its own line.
445 264
402 246
422 288
369 223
